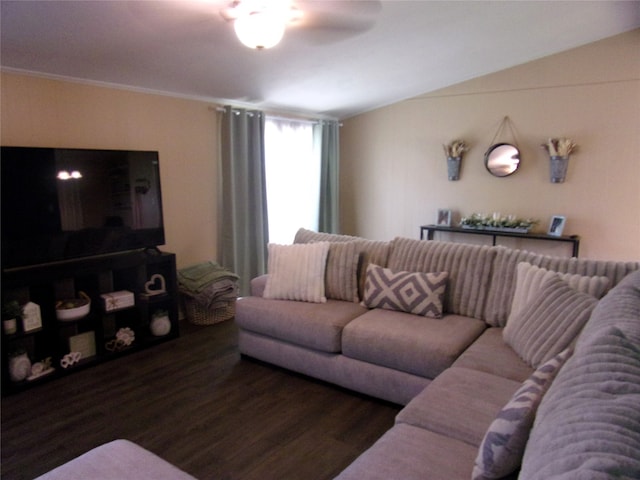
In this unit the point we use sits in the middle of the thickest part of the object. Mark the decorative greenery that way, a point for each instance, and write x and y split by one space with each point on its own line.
560 147
480 220
455 148
11 309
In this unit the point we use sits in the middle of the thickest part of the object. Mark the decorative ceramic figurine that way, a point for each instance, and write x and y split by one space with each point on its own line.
160 323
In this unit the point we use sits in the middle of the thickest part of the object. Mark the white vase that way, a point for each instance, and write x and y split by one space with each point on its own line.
160 325
19 367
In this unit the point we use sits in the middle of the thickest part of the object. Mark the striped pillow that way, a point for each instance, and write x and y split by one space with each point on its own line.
296 272
503 445
549 323
530 278
342 271
411 292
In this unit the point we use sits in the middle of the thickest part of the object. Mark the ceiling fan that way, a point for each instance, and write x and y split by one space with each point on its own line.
260 24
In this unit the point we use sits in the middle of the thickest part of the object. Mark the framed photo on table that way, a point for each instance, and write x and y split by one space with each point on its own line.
556 226
444 218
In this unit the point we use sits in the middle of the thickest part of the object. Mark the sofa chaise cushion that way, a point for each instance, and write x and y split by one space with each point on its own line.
115 460
314 325
419 345
460 403
407 452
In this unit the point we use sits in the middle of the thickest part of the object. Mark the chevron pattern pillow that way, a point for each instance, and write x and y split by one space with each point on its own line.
502 448
412 292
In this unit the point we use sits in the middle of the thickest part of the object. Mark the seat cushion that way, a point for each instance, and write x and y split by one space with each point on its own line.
419 345
460 403
411 453
491 354
313 325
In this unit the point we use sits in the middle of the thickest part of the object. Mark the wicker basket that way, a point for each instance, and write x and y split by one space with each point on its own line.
201 315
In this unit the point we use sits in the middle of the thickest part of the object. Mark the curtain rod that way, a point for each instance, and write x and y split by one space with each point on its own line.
280 117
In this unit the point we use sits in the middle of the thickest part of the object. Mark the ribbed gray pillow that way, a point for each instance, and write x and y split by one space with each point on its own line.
530 278
549 323
341 280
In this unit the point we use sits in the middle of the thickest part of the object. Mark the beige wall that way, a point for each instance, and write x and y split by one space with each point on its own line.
394 175
49 113
393 168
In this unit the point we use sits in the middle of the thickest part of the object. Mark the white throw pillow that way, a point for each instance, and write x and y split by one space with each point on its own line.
530 278
296 272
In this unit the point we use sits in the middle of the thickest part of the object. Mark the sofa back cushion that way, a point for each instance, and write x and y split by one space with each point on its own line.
588 423
504 275
469 268
304 235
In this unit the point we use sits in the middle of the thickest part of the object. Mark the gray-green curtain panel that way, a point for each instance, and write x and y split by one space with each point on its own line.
243 226
329 215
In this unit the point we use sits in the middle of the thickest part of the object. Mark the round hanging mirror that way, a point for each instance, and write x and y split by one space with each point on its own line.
502 159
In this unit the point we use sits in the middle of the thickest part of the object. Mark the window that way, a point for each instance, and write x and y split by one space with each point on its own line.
292 164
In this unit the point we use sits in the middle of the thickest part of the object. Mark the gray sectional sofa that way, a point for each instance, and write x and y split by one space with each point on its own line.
508 337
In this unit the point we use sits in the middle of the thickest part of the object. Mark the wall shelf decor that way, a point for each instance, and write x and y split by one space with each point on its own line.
454 152
62 346
502 158
427 233
559 150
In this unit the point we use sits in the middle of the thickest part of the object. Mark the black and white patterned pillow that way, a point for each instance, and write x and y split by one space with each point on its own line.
412 292
503 445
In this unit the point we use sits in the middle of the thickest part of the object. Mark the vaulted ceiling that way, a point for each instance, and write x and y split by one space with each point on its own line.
343 57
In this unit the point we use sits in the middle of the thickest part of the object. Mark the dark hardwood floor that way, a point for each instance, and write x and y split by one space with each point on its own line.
198 404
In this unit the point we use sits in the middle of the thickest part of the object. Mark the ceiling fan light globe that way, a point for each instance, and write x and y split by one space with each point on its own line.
259 30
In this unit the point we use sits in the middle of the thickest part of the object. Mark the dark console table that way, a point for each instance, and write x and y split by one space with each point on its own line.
431 229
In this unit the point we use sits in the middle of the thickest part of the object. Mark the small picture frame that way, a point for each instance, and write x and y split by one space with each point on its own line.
556 226
444 217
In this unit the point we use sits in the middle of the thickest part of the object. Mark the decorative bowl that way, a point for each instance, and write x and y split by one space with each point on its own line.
73 309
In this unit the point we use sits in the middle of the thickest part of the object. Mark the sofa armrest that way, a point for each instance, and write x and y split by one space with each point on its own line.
258 284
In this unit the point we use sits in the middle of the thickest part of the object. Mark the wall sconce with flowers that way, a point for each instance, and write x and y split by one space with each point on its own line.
454 152
559 150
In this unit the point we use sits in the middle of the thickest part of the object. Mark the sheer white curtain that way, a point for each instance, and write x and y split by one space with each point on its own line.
292 164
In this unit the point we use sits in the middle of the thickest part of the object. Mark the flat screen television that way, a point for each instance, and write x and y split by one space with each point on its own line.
60 203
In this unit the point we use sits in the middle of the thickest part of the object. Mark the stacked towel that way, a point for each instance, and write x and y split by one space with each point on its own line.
209 283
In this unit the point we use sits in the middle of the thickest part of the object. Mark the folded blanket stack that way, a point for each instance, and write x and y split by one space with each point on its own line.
209 284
